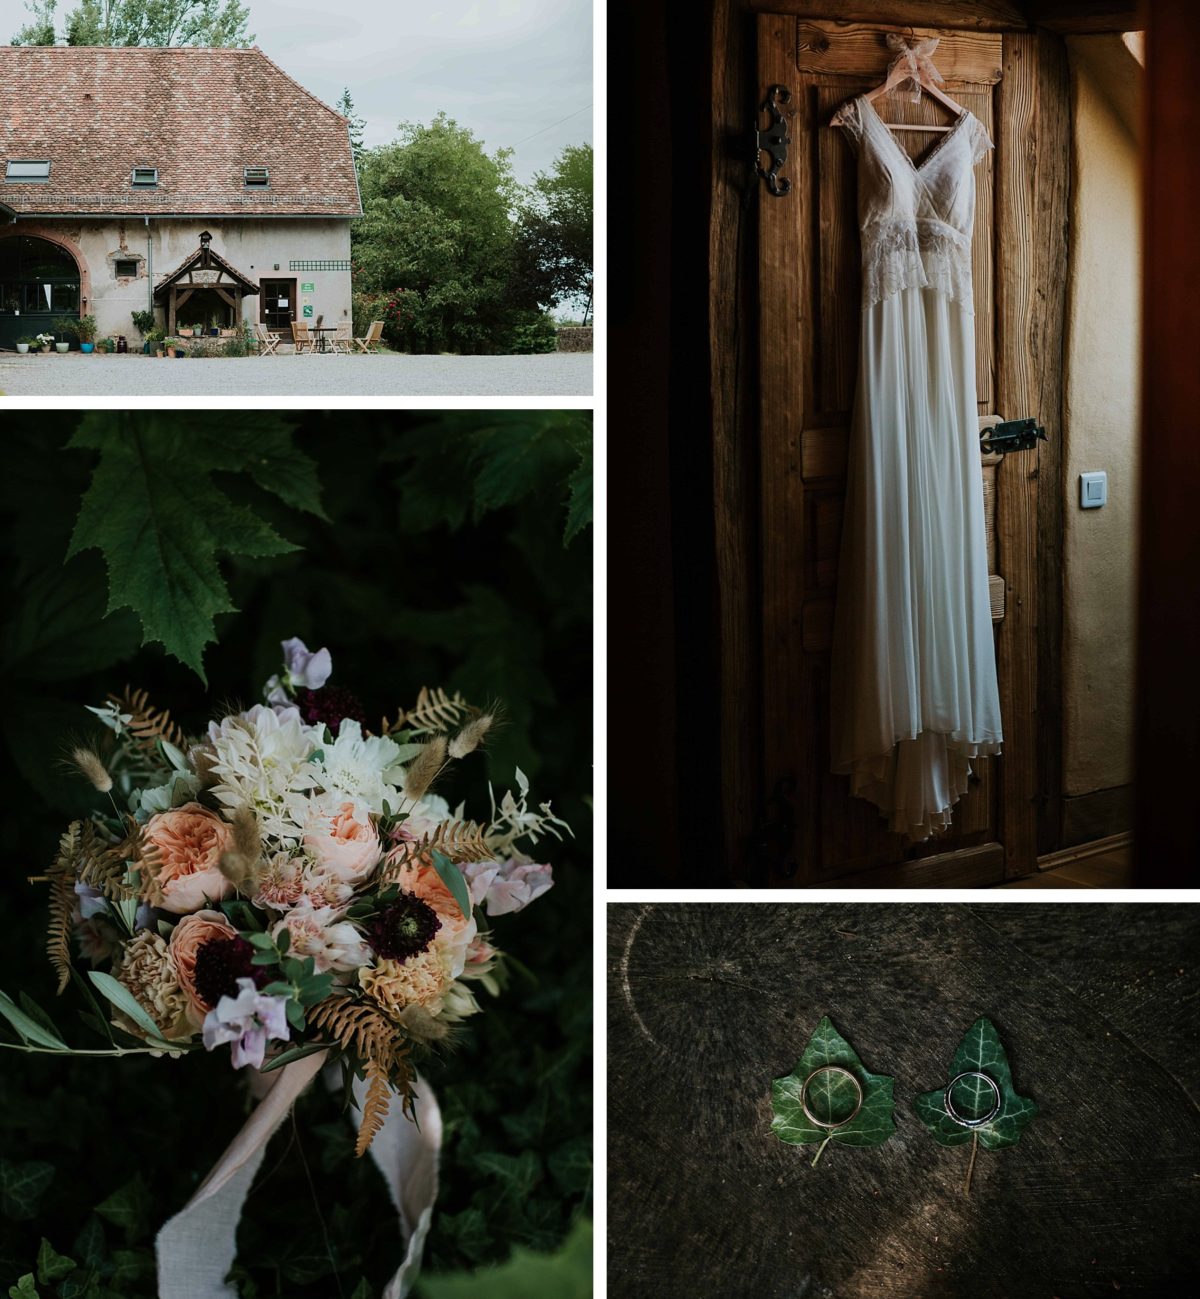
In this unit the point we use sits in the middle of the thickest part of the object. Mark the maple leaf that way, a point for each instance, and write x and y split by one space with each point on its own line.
154 512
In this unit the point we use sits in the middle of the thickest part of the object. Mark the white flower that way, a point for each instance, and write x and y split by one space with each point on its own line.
363 771
320 932
262 760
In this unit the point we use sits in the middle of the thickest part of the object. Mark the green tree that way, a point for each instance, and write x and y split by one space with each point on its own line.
437 236
554 235
40 28
345 106
141 22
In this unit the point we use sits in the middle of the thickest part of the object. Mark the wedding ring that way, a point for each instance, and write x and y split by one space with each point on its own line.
830 1068
961 1119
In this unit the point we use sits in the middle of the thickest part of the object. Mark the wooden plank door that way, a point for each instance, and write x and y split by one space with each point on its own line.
809 303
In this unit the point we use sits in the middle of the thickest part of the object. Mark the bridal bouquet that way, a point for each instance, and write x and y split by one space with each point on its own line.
286 883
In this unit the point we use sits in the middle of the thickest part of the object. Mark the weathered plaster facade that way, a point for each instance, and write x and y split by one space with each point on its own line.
261 248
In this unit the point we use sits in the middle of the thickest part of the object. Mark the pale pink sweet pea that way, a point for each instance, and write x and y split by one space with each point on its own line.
343 845
502 887
248 1020
303 669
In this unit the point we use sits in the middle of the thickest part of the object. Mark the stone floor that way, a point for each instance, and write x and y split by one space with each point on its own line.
556 374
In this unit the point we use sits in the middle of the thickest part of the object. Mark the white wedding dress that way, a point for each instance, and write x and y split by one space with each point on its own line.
914 670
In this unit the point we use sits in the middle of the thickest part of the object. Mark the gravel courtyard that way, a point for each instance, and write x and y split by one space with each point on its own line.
555 374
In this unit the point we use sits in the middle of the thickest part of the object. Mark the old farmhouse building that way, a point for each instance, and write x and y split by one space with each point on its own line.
204 184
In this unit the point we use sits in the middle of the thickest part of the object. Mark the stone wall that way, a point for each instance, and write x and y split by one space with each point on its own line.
575 340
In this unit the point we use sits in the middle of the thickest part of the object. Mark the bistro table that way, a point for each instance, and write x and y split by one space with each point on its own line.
321 331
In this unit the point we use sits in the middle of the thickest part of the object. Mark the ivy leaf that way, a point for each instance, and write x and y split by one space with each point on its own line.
128 1208
160 521
22 1186
24 1289
979 1052
51 1265
831 1096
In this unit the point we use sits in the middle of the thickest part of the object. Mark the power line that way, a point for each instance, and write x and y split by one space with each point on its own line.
560 121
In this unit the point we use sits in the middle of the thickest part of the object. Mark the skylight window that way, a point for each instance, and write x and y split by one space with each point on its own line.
26 169
145 178
257 177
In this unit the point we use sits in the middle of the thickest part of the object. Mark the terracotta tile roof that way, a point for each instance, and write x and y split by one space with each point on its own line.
199 115
207 264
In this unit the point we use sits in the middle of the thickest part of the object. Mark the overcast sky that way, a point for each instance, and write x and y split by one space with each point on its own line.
508 69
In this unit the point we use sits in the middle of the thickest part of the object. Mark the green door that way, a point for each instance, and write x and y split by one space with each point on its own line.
39 285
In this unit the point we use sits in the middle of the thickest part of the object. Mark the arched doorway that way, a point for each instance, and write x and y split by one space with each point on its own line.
39 284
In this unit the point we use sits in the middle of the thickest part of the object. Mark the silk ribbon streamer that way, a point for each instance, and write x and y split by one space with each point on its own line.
912 62
196 1247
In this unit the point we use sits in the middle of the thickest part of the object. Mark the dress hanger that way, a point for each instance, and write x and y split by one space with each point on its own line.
913 63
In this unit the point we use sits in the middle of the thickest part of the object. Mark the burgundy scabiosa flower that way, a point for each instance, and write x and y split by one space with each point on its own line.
403 928
220 963
329 705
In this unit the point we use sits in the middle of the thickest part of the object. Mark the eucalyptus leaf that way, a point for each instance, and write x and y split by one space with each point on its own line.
979 1052
293 1053
832 1096
123 999
29 1030
454 880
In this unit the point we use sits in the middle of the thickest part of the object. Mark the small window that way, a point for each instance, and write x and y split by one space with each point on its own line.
145 177
27 169
126 266
257 177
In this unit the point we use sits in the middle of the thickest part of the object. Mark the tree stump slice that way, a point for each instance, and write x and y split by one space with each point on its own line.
1095 1005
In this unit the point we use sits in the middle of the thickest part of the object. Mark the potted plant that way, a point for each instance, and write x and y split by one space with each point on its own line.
44 341
143 322
24 344
154 339
64 326
85 331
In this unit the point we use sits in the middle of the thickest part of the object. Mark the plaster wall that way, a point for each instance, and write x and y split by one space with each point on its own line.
1101 421
253 245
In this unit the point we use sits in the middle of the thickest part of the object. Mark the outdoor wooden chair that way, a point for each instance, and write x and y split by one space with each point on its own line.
301 337
343 339
268 343
374 335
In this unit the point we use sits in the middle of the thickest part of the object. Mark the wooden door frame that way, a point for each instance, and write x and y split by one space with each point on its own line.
262 296
1032 167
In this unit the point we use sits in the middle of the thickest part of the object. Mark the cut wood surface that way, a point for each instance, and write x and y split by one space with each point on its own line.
1095 1006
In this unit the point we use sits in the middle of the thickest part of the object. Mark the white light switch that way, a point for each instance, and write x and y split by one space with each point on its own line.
1093 490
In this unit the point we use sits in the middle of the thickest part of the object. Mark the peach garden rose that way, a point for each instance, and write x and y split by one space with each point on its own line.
189 842
344 846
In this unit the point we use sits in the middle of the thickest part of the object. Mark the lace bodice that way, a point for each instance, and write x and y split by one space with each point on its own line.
915 219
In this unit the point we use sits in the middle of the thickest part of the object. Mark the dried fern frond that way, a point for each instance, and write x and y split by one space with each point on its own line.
434 710
148 725
375 1108
361 1027
364 1030
62 903
459 840
104 866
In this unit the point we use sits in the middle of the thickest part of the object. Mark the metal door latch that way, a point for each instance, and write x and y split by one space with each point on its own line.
773 141
1012 435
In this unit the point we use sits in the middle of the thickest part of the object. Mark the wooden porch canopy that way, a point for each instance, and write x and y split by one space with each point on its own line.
204 269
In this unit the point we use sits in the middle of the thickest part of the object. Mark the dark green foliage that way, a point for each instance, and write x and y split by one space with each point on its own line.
436 237
554 234
442 561
140 22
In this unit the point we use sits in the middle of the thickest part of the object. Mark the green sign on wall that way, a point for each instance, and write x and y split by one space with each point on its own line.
307 287
307 312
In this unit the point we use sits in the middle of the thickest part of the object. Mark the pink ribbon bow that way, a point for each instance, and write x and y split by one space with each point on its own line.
912 62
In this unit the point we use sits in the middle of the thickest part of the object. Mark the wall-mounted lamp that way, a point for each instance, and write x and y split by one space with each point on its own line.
276 265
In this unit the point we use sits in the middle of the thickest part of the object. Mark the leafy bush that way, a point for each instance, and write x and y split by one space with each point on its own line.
535 333
143 322
446 549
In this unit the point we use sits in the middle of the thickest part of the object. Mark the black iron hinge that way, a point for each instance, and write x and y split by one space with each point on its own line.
773 141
